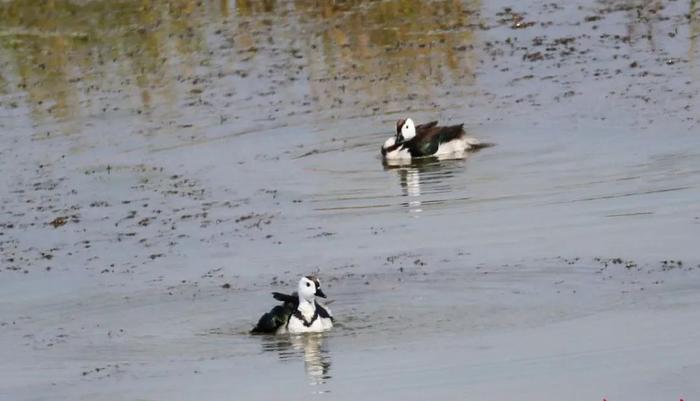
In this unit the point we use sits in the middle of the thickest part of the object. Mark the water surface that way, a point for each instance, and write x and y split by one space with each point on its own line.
168 164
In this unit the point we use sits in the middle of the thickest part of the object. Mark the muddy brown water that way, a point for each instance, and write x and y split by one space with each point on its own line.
165 165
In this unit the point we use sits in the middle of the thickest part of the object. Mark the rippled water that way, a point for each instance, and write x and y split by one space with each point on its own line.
167 164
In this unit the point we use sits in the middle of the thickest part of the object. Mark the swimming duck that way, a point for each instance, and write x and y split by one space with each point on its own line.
428 139
299 312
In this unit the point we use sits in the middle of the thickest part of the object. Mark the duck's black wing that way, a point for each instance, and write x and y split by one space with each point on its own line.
322 312
447 134
294 298
422 127
429 137
271 321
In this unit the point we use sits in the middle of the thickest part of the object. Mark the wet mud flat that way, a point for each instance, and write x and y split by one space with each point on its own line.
167 165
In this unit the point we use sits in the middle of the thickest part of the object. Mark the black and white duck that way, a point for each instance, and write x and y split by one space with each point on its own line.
299 312
413 141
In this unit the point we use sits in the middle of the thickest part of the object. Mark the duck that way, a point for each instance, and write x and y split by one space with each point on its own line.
413 141
299 312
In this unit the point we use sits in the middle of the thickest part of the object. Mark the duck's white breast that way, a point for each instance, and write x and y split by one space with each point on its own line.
398 154
297 326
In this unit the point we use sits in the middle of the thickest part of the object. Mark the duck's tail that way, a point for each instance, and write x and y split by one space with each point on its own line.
475 145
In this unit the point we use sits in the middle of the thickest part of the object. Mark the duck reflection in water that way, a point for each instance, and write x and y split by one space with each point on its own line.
309 347
421 179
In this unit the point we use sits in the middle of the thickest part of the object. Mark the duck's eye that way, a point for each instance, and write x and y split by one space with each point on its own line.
308 284
406 127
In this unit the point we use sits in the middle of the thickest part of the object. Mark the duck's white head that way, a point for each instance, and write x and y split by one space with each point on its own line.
309 288
405 130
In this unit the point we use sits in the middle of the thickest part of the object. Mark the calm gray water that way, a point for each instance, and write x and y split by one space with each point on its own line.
168 164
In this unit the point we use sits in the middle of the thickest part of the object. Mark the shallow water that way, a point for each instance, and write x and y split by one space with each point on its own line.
168 164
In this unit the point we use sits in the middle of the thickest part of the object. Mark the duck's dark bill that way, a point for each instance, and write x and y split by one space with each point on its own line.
319 293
